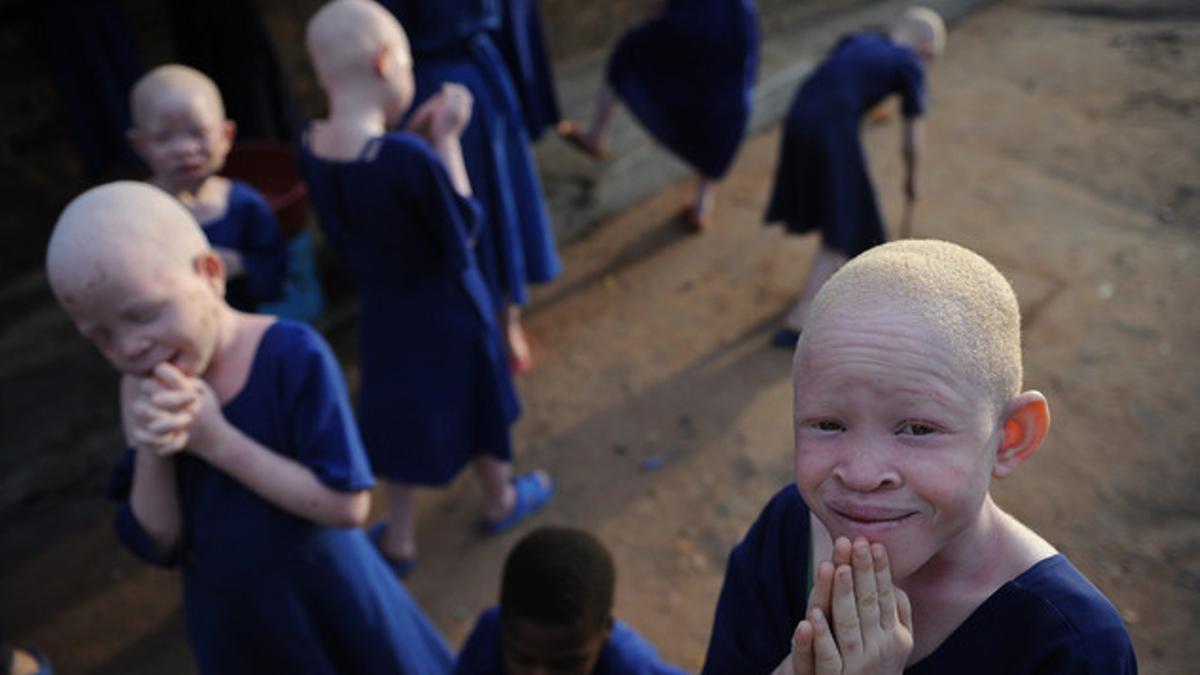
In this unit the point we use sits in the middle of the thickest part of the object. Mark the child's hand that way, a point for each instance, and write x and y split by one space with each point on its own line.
157 413
443 115
209 425
872 620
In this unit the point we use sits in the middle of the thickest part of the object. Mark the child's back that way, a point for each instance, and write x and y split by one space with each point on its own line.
860 71
405 235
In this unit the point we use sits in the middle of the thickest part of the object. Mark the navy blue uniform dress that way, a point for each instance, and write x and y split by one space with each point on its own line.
625 653
1050 619
520 40
265 591
451 43
688 77
436 387
248 226
822 181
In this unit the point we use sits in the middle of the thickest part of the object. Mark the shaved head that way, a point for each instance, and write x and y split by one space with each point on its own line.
921 27
171 81
344 37
117 228
958 296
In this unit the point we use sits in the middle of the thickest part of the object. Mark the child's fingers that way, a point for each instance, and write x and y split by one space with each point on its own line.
170 376
865 590
802 649
904 609
826 658
158 443
822 591
166 422
846 626
174 444
841 551
174 400
883 586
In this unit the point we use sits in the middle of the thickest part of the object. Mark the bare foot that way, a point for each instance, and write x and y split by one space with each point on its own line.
582 141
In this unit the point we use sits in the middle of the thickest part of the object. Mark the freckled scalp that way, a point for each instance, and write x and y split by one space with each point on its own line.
964 300
115 228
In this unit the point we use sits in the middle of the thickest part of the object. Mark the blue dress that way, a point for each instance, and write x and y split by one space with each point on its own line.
248 226
1050 619
436 387
625 653
265 591
688 77
822 181
520 41
451 43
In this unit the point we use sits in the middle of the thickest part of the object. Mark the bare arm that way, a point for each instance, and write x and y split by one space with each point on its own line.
910 151
450 152
153 497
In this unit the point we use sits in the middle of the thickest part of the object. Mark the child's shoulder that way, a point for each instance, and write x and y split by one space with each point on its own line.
628 653
1065 596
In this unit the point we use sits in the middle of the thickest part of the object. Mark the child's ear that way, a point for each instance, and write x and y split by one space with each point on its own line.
1026 420
380 62
230 131
210 266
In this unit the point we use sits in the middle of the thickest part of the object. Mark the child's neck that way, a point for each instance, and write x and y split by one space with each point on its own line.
955 582
238 338
353 120
207 201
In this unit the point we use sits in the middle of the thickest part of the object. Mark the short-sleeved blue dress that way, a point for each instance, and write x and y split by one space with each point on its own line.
265 591
625 653
521 42
451 43
248 226
436 387
821 182
1049 619
688 77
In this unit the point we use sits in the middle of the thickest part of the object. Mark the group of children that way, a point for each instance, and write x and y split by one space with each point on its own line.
248 470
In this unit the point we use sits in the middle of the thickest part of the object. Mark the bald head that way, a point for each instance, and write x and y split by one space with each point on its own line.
923 30
962 300
172 82
117 228
345 36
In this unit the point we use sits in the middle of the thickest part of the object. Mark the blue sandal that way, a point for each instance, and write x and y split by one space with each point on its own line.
531 497
402 568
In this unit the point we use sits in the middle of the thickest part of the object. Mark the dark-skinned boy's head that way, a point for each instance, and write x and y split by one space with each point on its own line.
556 601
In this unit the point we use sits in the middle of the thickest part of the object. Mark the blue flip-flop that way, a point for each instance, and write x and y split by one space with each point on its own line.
785 338
401 568
531 497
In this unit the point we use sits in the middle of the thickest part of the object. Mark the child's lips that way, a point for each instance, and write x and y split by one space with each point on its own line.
870 515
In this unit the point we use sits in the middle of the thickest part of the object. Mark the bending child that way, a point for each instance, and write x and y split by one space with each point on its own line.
436 390
821 182
687 75
908 401
180 131
555 615
245 468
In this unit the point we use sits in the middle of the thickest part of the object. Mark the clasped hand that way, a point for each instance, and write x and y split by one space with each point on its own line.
858 622
168 411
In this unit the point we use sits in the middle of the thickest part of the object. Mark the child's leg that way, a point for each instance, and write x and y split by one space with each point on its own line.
824 264
593 141
699 214
399 541
519 354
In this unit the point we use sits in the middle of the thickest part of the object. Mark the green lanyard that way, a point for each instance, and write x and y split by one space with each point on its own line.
811 577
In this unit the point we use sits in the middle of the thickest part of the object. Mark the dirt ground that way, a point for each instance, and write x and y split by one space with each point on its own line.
1063 144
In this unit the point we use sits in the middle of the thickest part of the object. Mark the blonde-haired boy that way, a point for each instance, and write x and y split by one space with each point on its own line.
907 402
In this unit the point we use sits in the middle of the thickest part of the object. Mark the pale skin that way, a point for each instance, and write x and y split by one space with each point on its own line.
180 131
897 486
364 102
163 323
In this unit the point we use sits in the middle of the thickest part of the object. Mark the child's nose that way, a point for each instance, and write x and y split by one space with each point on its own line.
130 345
865 467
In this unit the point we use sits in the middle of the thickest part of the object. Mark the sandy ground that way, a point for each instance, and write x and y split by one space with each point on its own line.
1063 144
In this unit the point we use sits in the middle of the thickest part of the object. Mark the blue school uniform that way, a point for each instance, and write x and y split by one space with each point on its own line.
265 591
688 77
450 43
248 226
625 653
822 181
1049 619
436 387
520 41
